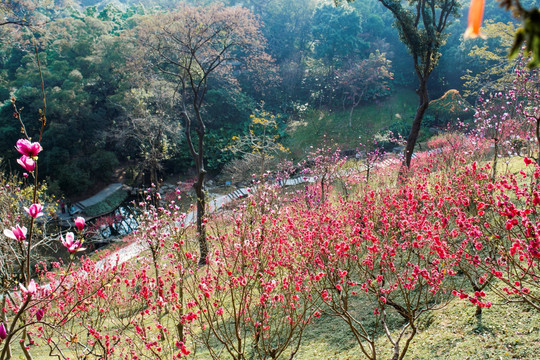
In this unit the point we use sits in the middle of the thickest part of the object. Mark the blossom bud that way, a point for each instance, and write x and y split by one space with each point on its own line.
79 223
39 314
3 332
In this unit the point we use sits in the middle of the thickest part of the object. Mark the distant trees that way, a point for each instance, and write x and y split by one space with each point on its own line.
87 53
489 68
336 35
288 31
529 33
510 119
197 48
364 78
150 127
80 58
23 13
421 25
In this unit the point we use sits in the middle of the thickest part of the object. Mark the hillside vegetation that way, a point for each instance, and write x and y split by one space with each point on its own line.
367 220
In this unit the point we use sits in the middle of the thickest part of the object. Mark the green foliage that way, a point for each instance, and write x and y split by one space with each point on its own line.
489 67
103 163
216 155
336 31
79 55
228 109
447 109
72 179
317 128
87 56
530 35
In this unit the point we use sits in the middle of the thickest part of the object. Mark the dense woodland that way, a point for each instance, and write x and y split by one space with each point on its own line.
110 106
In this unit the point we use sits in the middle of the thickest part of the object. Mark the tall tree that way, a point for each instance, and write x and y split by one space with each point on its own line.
195 47
336 33
421 25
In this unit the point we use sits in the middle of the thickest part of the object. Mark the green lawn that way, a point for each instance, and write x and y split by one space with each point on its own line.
326 128
507 332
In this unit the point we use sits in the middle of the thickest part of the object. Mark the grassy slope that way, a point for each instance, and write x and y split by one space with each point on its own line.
507 332
317 128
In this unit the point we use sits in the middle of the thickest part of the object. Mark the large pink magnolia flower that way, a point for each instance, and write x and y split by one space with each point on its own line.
27 163
30 289
28 148
70 243
34 210
16 233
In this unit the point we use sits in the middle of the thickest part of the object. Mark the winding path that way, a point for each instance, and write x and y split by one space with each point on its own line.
130 251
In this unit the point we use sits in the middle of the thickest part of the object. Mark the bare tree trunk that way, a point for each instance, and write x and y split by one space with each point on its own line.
495 158
198 158
201 208
200 190
538 139
350 115
415 130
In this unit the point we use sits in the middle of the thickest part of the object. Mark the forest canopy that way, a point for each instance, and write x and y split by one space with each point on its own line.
100 90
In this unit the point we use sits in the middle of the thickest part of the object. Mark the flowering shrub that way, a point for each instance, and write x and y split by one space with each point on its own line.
279 261
26 304
509 119
256 295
